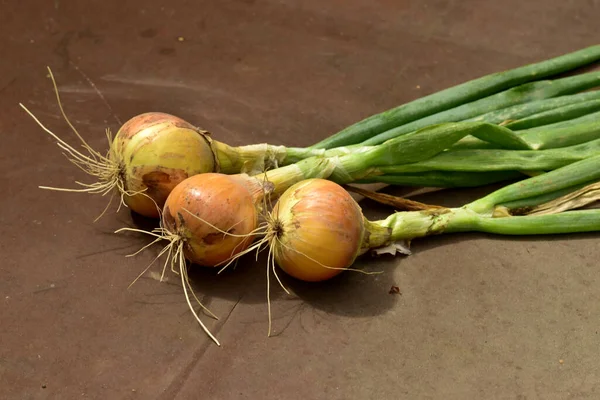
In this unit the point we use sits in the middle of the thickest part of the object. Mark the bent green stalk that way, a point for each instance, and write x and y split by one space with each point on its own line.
564 133
498 160
556 115
555 135
458 95
520 111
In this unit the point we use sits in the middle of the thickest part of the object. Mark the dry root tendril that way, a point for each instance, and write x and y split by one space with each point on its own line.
273 230
108 172
175 257
178 264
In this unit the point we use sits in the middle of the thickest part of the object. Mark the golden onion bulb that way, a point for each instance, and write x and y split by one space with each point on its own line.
153 153
318 230
214 215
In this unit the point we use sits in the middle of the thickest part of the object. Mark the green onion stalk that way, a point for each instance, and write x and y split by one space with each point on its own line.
534 206
379 124
316 229
422 159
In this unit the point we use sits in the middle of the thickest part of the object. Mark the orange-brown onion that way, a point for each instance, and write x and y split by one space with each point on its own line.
319 230
226 202
153 153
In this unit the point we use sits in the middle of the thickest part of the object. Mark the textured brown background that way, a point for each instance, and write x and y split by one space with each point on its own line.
478 316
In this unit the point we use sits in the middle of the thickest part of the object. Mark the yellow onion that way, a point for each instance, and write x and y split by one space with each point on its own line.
317 230
207 219
214 215
153 153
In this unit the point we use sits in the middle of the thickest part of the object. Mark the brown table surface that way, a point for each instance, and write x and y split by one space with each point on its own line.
478 316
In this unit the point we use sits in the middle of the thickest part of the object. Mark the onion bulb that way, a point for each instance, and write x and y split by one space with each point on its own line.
148 157
318 230
214 215
152 153
208 219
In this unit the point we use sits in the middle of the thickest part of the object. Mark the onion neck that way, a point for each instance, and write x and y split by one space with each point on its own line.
257 158
296 154
337 169
414 224
251 159
284 177
342 165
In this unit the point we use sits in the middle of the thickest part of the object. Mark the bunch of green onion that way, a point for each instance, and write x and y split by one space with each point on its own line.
213 200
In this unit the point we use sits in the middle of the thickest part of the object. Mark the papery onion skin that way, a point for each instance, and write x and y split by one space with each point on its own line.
156 151
224 201
319 228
